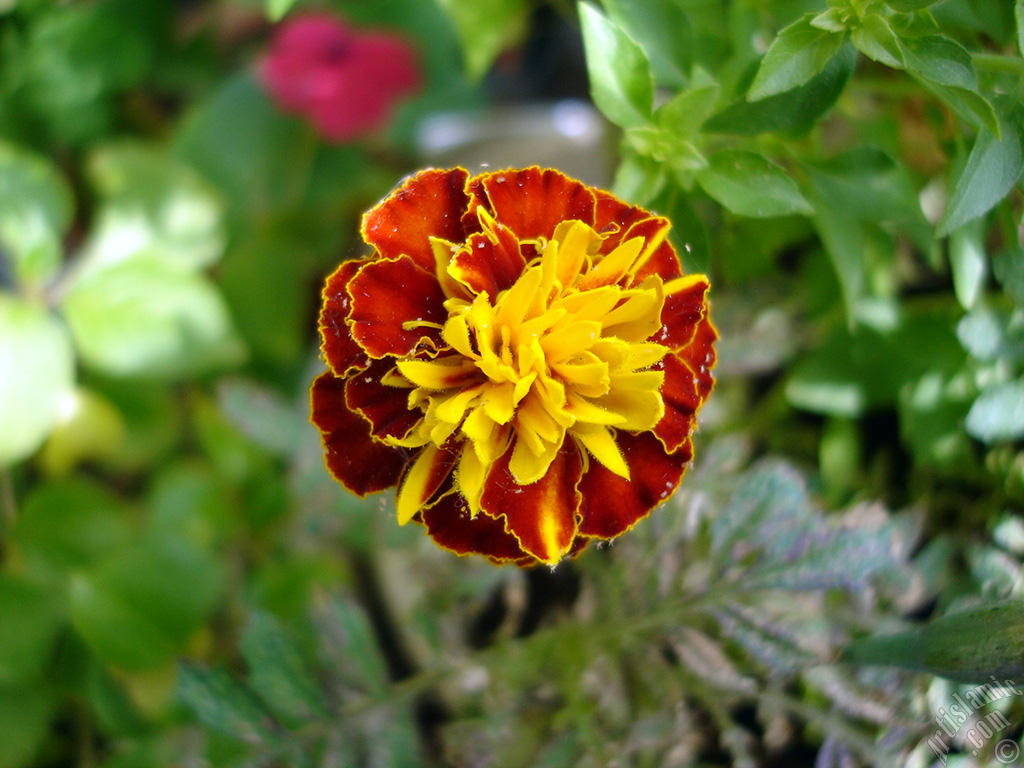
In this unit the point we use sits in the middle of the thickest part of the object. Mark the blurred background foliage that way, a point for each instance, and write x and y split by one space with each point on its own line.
181 583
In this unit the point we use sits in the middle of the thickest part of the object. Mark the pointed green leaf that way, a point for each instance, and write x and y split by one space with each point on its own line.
992 169
968 262
799 53
36 376
795 110
970 646
876 40
750 185
276 9
686 112
620 74
486 28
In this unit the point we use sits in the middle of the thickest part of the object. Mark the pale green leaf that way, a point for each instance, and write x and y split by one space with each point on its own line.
620 74
276 9
35 210
663 30
36 376
876 40
147 317
968 262
998 413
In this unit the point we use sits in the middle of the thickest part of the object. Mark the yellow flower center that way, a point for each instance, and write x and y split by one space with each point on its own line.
562 353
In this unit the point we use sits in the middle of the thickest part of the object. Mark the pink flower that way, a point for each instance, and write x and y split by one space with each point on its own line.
344 80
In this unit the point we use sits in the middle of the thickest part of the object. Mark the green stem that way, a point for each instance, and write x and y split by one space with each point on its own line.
993 62
8 506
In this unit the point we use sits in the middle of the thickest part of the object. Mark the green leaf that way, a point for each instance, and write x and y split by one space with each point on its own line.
968 262
663 30
221 703
33 616
876 40
276 9
998 413
350 646
138 609
970 646
799 53
946 67
486 28
70 524
907 6
1009 270
36 205
620 75
684 114
263 416
152 203
277 671
992 169
688 233
750 185
794 110
25 713
36 376
146 317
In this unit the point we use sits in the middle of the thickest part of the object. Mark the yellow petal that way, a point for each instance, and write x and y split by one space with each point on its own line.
602 446
412 494
614 266
470 476
528 466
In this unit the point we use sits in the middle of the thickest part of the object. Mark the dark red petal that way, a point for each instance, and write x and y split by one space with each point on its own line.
700 354
532 202
681 403
612 504
388 294
490 261
339 348
449 524
613 217
682 311
386 408
429 204
356 460
541 515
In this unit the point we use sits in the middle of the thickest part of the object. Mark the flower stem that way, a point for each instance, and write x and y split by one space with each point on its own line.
993 62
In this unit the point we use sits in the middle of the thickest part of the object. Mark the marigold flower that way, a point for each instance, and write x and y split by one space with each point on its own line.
344 80
521 356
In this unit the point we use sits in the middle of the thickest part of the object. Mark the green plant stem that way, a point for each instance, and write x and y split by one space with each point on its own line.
993 62
8 507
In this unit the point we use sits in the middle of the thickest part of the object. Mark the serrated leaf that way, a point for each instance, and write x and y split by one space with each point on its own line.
276 9
992 169
663 30
146 317
794 110
968 263
998 413
36 205
800 52
221 703
750 185
277 671
621 83
36 376
486 28
876 40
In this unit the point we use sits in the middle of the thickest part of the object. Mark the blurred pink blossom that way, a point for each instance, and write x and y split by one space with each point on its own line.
346 81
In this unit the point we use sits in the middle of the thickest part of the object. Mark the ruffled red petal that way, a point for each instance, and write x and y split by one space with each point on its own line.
700 355
541 515
339 349
449 524
356 460
386 408
429 204
387 296
490 261
680 315
664 262
531 202
612 217
612 504
681 403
